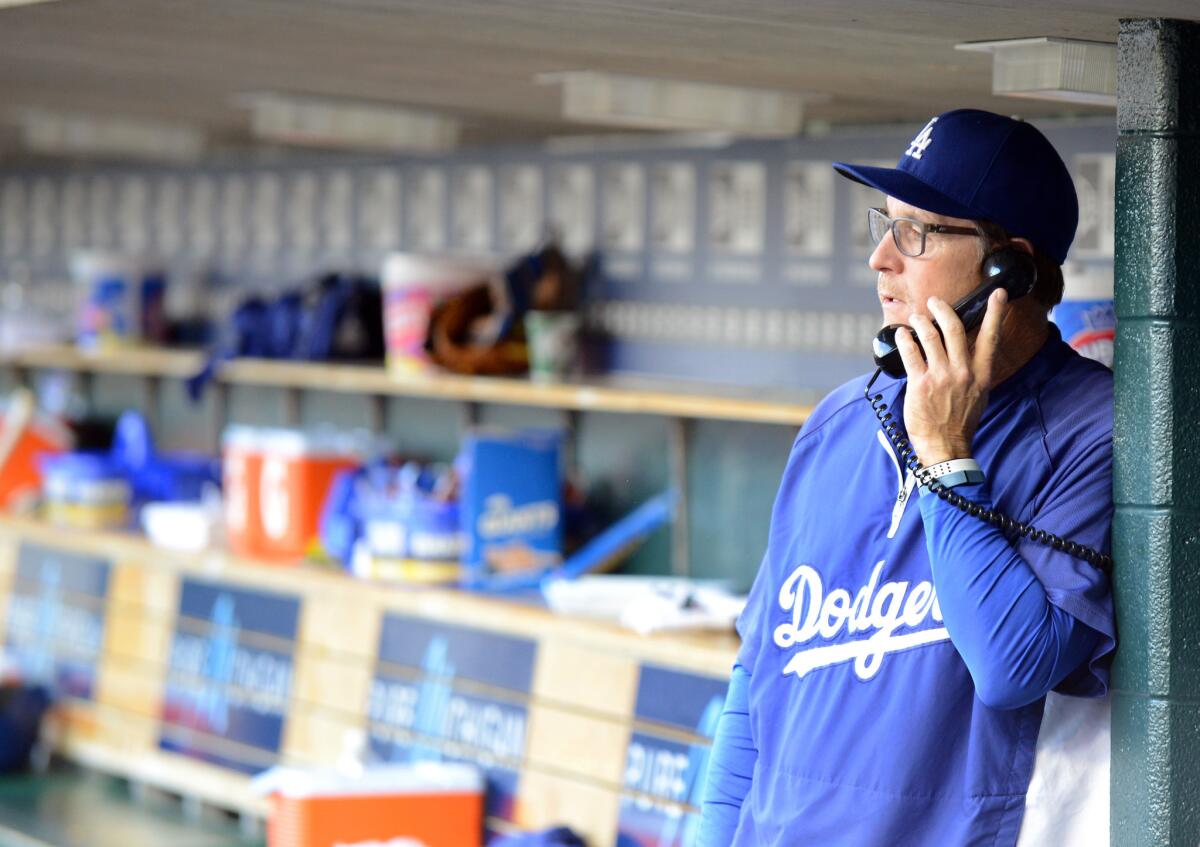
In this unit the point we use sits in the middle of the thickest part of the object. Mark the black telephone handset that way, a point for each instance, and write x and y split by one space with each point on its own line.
1014 271
1007 268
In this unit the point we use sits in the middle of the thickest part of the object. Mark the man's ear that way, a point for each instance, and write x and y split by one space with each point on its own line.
1023 244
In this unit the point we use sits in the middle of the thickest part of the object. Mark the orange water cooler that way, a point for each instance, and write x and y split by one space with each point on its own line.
420 805
276 482
25 436
241 469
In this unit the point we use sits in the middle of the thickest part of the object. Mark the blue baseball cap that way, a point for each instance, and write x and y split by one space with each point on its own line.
982 166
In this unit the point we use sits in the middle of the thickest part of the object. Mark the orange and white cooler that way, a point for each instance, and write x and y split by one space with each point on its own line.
241 470
25 435
298 469
426 804
276 482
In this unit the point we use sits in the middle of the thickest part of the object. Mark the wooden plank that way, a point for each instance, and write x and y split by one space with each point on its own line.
131 734
133 361
9 548
475 611
586 746
131 686
582 396
591 680
129 635
626 396
337 684
320 737
577 717
73 719
112 545
157 569
346 623
706 653
188 777
8 572
140 584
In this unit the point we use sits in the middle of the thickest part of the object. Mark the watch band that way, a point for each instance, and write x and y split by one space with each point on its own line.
943 468
952 473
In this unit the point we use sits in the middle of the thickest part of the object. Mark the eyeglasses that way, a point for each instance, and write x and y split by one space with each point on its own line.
908 233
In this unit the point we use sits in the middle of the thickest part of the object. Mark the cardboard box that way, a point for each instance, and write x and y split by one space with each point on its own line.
512 509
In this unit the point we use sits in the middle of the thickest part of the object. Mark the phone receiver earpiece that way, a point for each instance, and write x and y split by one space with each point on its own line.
1006 267
1011 269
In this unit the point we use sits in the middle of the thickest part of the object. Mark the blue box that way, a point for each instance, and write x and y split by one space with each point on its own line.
1090 326
512 509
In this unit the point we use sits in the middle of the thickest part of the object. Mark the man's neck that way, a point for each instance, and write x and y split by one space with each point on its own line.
1021 337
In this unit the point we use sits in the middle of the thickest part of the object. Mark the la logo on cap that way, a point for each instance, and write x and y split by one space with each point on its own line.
924 138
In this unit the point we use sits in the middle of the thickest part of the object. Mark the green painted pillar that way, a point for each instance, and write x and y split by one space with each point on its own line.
1156 532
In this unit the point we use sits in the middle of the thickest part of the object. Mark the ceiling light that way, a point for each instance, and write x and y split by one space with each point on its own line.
644 103
1062 69
57 134
347 124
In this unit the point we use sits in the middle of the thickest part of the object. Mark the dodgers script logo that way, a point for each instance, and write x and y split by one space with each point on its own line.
917 147
875 614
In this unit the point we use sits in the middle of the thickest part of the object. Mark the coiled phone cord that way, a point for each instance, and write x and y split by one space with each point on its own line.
1006 524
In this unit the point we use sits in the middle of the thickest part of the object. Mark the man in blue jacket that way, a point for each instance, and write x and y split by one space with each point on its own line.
896 656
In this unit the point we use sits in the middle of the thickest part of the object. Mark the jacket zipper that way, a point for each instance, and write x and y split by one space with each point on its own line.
905 484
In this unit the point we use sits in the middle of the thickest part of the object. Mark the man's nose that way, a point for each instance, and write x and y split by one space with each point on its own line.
885 256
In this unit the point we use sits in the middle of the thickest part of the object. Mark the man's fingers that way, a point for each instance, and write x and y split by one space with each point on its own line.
914 364
931 342
989 336
953 334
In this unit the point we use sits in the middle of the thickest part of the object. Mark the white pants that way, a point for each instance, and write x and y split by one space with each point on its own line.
1067 803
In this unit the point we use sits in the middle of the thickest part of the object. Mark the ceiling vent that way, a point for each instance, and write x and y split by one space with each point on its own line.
57 134
347 124
1060 69
636 102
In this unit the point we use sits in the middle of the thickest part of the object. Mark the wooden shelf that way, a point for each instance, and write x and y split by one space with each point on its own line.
135 361
580 695
621 396
703 650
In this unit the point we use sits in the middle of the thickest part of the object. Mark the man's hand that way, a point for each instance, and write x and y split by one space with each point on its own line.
948 390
